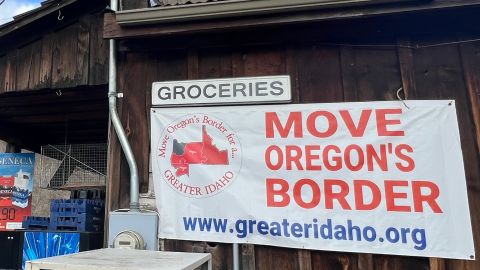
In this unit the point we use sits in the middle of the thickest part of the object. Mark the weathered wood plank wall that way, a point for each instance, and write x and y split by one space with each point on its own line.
325 66
75 55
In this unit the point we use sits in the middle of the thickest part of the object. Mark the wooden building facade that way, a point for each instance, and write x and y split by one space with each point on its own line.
54 65
340 54
54 75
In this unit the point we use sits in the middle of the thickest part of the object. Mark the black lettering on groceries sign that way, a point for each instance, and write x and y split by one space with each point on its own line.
271 89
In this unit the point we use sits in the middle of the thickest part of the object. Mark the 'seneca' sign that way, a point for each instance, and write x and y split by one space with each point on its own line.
16 183
271 89
371 177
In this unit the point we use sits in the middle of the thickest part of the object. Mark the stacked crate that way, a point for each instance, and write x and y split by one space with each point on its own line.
35 223
92 194
83 215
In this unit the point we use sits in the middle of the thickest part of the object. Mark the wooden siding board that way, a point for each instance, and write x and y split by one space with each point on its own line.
172 65
247 258
114 197
134 114
28 66
365 261
258 61
437 264
64 56
347 63
470 56
72 56
377 74
34 78
46 61
267 258
405 59
292 69
193 64
83 52
24 57
470 53
304 259
221 255
10 71
263 61
215 63
333 261
319 74
238 64
99 51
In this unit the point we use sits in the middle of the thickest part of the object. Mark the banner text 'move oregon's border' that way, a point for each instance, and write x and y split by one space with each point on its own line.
353 157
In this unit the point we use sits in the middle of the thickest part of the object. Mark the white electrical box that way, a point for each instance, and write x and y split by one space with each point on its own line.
133 230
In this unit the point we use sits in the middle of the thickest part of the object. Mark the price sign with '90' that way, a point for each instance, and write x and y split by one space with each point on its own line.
16 184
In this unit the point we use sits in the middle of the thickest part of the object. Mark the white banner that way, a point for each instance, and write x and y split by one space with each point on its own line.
374 177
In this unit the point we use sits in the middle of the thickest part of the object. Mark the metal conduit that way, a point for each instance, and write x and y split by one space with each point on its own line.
122 137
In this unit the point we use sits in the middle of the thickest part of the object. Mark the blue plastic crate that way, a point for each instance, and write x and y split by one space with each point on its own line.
92 194
77 206
35 223
78 222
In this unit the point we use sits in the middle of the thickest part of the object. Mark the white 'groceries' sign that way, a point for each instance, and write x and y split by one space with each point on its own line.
271 89
372 177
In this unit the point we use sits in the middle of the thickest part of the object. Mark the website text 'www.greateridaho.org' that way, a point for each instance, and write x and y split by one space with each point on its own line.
317 229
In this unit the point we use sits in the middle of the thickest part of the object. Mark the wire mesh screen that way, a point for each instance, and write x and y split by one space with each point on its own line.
73 166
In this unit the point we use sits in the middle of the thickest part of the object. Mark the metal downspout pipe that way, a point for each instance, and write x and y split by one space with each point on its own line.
112 102
117 124
236 257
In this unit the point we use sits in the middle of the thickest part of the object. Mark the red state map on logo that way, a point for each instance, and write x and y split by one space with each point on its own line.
204 152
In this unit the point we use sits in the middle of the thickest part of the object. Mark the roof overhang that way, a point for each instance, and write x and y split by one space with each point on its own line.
113 28
25 19
226 9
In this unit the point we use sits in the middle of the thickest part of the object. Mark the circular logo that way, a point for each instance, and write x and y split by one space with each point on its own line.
199 155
